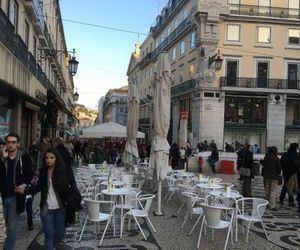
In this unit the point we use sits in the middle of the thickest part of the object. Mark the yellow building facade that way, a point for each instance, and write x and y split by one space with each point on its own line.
36 88
254 96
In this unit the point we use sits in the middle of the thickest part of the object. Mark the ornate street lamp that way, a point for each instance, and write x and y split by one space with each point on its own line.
73 65
76 96
217 60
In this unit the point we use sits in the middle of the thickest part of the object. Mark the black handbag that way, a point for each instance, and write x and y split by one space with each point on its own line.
73 199
244 172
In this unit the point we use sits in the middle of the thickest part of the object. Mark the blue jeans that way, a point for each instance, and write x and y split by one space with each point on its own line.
11 221
54 227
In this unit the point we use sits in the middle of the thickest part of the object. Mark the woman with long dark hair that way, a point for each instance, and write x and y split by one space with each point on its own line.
54 181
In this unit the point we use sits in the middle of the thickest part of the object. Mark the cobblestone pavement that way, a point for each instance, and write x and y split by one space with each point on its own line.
283 227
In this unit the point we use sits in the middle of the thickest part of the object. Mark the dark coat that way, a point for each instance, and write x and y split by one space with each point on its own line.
247 162
272 166
23 173
288 163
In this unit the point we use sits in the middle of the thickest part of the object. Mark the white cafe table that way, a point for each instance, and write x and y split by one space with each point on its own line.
226 196
116 183
118 192
182 173
209 187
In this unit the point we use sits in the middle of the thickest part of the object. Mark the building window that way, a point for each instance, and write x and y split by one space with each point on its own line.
264 34
245 110
231 72
262 74
34 47
185 13
13 14
176 22
174 54
193 39
264 7
168 30
121 110
173 74
294 35
233 32
294 6
26 33
293 75
181 73
192 70
182 47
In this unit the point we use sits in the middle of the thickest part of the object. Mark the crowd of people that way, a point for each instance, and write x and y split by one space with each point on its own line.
44 168
277 172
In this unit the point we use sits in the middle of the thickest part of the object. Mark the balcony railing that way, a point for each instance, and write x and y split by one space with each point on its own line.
166 42
35 7
163 19
259 83
183 87
264 11
21 51
7 30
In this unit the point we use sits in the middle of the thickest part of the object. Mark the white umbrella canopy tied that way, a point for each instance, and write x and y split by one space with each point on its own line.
183 132
131 153
159 156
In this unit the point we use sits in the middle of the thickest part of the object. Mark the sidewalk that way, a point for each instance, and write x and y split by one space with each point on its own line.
283 226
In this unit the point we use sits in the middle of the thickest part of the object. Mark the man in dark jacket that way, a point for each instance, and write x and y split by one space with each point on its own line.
288 169
15 174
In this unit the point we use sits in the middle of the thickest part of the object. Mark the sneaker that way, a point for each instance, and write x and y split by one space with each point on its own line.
292 204
274 209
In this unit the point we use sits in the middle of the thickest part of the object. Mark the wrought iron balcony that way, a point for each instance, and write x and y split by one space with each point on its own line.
7 31
184 87
166 42
264 11
161 20
36 11
21 51
245 82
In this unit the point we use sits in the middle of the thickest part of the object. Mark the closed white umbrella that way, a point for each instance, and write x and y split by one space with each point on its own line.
131 153
159 156
183 131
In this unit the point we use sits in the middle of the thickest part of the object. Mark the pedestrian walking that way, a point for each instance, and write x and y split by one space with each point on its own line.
240 156
248 163
54 180
289 168
213 158
58 143
15 174
272 169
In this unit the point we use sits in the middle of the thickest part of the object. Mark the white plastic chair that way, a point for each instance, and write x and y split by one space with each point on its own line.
184 188
212 219
127 179
142 212
251 210
191 200
95 214
171 188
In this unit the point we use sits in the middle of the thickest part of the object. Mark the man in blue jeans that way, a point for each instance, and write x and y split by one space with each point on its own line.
15 175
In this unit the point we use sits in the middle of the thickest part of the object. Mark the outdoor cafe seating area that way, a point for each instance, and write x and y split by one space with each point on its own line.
117 197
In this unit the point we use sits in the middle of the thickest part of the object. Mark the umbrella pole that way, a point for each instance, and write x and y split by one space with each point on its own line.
159 212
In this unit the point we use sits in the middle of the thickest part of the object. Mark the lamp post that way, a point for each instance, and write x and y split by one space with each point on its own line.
76 96
73 63
217 60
